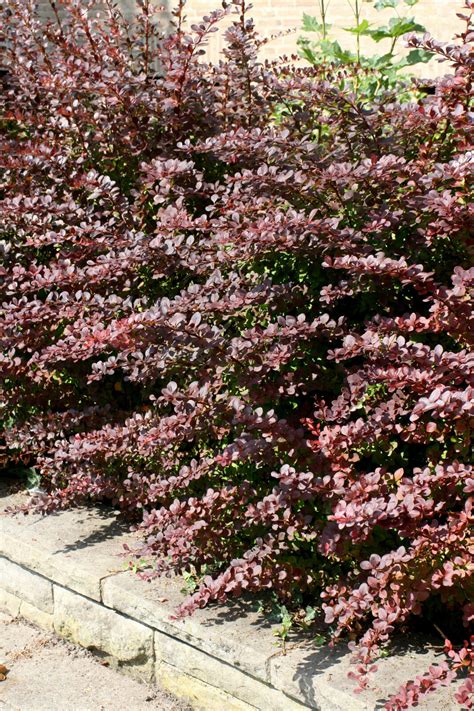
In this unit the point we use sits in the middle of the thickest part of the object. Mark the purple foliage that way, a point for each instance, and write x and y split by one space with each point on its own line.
236 302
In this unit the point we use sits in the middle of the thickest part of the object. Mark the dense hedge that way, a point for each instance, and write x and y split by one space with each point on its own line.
236 302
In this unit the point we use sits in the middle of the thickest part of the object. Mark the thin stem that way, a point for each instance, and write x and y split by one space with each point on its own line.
56 15
323 9
357 19
146 16
356 11
438 629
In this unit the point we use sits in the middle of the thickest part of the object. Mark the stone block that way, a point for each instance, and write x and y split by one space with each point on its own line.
75 549
202 696
215 672
95 627
28 586
223 657
36 616
235 634
9 603
318 678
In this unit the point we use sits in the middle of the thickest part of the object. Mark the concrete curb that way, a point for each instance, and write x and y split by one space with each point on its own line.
64 572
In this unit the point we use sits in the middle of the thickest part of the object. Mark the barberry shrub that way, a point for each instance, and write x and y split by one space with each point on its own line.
237 304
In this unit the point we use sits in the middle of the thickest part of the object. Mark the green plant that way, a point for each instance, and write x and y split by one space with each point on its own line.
192 579
191 583
378 71
137 566
286 625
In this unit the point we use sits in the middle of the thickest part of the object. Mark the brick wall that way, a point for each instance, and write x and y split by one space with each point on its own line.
273 17
279 16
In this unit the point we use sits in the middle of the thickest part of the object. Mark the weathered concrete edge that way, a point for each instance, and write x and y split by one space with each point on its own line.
33 557
65 572
138 649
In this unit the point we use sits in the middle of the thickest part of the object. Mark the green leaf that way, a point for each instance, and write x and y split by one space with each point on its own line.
401 25
361 29
382 61
382 4
31 477
309 54
397 27
380 34
411 3
417 56
319 640
335 51
311 24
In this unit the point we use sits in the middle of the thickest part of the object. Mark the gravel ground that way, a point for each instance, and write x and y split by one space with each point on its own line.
49 674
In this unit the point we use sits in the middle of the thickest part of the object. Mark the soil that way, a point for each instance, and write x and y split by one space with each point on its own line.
45 673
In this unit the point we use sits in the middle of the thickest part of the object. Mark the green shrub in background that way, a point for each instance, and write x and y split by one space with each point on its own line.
378 71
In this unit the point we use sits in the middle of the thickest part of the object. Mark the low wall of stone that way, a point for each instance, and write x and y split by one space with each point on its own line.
67 573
